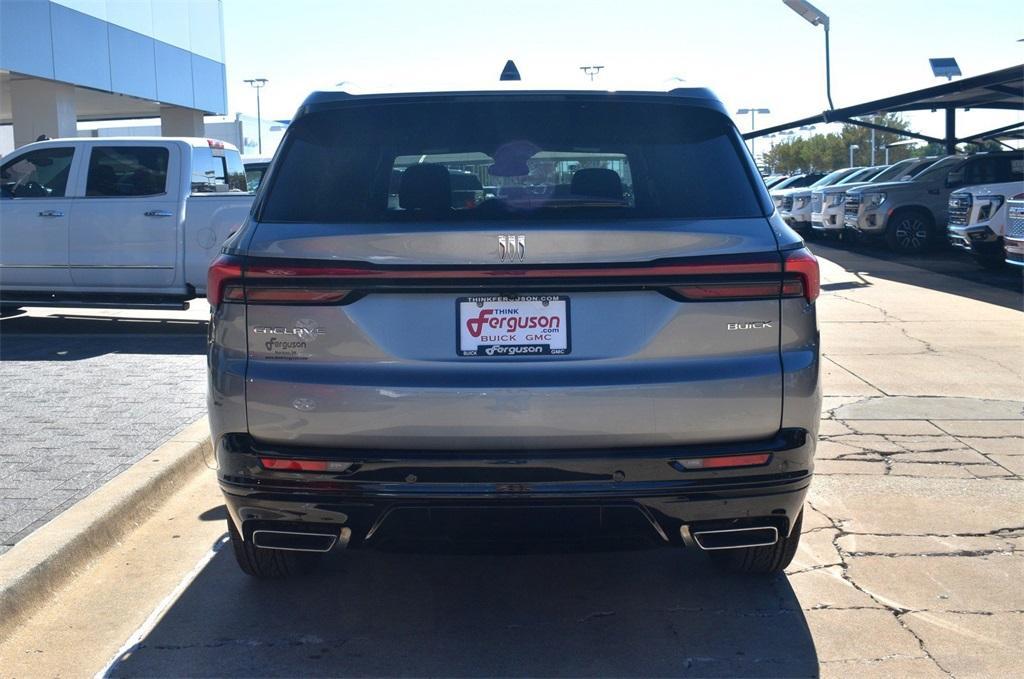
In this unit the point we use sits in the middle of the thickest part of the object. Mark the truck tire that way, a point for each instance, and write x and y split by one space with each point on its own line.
910 231
269 563
760 560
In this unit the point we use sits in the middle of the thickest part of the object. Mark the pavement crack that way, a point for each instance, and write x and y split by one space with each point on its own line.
886 316
897 611
928 348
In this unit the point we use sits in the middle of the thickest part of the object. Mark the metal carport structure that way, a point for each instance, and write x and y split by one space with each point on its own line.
1003 89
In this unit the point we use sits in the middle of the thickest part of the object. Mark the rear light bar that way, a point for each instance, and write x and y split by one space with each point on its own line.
289 283
290 465
804 265
724 461
223 270
742 290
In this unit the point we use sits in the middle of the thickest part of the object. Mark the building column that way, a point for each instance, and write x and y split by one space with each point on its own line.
176 121
42 107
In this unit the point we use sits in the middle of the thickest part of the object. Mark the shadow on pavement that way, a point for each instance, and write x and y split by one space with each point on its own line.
943 269
71 338
660 612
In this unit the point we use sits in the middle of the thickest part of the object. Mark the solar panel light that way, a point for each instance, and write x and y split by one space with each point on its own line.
945 67
809 12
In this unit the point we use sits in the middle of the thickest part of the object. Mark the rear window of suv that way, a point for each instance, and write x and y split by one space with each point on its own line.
487 160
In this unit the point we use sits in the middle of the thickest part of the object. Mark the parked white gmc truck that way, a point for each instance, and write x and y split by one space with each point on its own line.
123 222
977 218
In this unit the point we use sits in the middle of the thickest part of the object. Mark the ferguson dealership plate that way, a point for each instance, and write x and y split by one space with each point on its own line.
520 325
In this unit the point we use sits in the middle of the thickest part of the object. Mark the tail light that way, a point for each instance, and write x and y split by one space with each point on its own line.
805 267
226 282
225 270
756 276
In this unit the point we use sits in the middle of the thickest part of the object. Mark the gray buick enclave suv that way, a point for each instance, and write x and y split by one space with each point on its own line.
615 335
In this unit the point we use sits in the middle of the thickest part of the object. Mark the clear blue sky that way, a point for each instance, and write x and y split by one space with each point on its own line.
751 52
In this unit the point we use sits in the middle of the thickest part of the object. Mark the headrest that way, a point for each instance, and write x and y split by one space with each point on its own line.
426 186
597 182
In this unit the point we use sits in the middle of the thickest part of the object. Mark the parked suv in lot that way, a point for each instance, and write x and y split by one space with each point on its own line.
911 215
621 338
977 217
1013 241
827 214
796 202
782 190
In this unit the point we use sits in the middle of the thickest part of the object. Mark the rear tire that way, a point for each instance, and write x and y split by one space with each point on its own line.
269 563
910 232
760 560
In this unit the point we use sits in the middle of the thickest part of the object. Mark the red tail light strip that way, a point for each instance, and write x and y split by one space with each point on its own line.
293 465
225 277
772 265
724 461
805 265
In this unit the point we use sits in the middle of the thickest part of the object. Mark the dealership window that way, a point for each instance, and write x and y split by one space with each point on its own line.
125 171
37 174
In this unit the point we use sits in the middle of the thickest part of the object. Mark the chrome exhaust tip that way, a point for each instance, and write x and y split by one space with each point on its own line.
732 538
295 541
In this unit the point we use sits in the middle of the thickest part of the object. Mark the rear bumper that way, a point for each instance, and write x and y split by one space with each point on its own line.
639 493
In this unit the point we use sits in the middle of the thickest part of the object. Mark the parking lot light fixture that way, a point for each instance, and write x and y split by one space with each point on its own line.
816 17
258 84
753 112
853 147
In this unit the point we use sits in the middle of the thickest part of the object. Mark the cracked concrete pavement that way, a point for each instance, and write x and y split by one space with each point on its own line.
916 510
910 563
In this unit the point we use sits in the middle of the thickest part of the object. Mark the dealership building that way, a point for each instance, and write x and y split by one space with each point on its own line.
68 61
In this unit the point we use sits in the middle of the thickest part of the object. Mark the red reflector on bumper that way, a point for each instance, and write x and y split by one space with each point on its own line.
725 461
289 465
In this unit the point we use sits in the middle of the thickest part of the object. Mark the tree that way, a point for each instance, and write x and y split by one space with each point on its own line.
825 152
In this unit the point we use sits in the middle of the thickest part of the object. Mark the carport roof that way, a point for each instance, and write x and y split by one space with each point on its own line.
1003 89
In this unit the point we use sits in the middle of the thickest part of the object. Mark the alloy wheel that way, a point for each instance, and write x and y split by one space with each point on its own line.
911 234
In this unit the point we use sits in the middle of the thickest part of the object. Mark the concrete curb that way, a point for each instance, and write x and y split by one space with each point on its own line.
33 570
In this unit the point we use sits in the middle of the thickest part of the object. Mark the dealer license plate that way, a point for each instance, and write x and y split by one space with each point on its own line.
520 325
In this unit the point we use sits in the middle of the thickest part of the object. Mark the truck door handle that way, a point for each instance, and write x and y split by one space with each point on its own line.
159 213
51 213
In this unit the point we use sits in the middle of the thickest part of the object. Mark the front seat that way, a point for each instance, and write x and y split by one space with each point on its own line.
426 187
596 183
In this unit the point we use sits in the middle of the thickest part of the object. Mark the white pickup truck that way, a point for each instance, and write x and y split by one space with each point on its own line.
121 222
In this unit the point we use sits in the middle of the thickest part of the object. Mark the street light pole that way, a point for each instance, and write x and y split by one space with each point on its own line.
853 147
753 112
258 83
815 16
